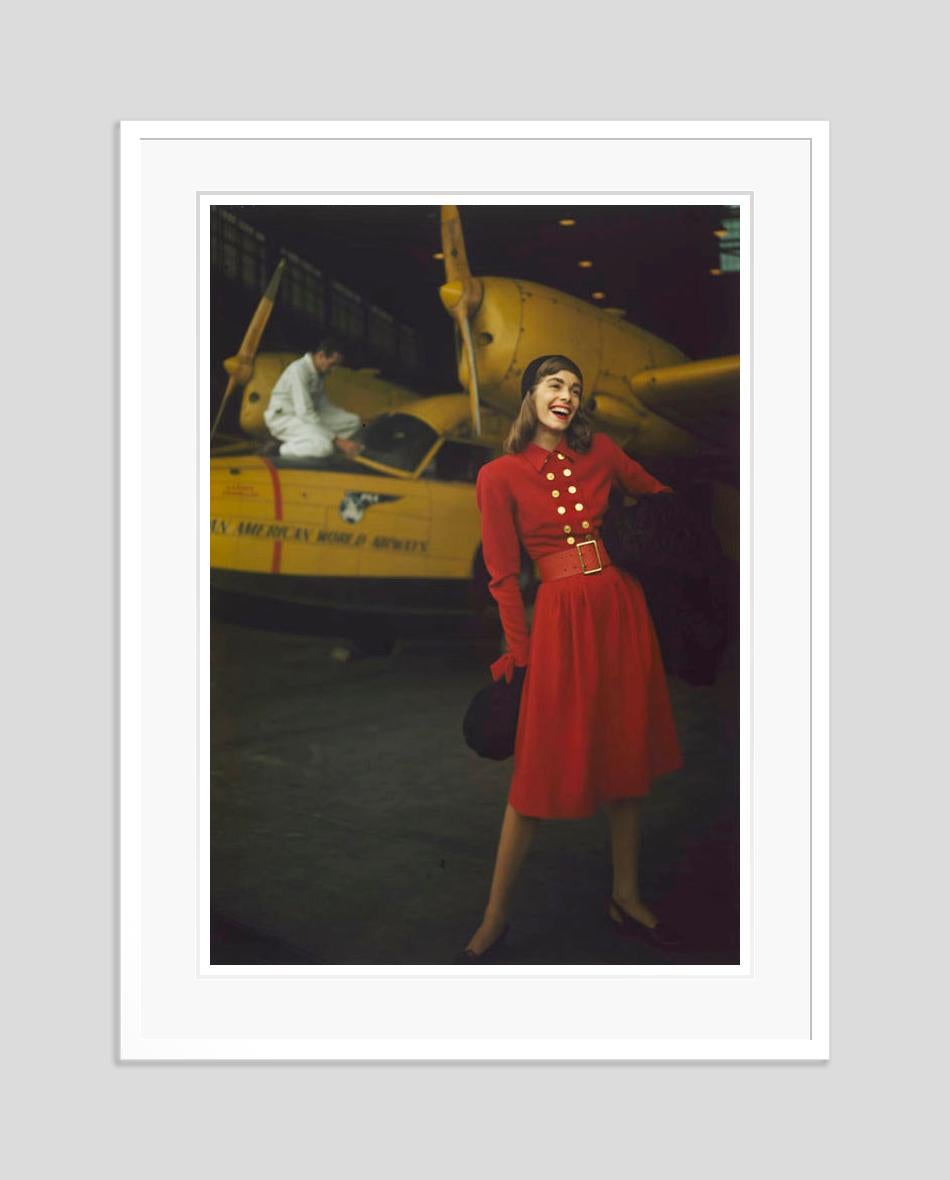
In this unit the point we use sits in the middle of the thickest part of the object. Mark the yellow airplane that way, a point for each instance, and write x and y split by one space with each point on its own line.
395 531
679 417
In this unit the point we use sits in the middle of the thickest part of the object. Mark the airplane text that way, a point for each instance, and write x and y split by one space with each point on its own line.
258 530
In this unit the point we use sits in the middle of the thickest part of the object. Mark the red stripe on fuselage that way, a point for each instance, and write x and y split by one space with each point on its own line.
278 513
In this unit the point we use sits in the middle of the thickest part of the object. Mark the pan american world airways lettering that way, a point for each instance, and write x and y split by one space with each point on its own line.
308 535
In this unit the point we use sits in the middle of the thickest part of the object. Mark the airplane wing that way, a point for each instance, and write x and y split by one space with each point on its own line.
700 396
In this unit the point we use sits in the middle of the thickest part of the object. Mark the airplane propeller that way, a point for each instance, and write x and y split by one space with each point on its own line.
240 368
461 296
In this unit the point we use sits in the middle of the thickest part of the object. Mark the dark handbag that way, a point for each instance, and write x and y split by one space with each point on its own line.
658 532
491 719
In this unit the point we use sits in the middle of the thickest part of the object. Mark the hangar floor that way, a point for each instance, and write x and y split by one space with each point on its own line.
352 825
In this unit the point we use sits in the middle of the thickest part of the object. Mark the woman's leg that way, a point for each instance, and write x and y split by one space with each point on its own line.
623 816
517 831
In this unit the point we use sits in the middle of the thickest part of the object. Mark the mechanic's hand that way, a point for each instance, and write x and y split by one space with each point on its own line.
348 446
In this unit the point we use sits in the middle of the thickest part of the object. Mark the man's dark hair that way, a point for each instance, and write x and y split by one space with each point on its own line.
329 346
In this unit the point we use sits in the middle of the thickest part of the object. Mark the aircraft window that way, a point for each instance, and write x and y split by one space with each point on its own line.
458 461
398 440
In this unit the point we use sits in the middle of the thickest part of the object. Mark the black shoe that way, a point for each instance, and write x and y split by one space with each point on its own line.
469 958
661 936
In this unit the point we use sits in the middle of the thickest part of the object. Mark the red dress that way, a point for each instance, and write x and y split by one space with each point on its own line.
595 721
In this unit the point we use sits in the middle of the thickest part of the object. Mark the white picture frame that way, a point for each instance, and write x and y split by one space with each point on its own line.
774 1005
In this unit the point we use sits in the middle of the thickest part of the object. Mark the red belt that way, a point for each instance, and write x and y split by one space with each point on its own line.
586 557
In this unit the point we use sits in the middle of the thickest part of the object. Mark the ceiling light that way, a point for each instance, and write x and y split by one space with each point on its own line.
585 263
567 221
440 255
720 233
716 271
598 295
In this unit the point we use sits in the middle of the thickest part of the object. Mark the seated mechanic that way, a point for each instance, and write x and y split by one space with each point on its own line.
301 416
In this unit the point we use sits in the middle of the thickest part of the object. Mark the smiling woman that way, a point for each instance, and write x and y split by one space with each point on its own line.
557 385
595 727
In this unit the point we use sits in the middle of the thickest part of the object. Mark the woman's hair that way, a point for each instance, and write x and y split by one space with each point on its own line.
579 433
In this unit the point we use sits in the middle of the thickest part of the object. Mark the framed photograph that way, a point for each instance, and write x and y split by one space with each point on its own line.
359 361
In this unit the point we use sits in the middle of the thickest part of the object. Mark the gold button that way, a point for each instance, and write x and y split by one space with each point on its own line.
555 493
570 540
579 507
568 529
550 475
572 489
585 524
562 510
559 455
567 472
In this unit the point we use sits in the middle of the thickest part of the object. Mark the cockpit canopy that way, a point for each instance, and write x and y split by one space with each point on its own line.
398 440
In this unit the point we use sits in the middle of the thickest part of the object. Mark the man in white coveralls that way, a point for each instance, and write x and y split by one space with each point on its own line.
301 416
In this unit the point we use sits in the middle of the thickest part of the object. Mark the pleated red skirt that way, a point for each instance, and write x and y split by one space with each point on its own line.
595 722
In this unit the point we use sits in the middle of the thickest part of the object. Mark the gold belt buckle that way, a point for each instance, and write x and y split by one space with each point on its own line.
594 569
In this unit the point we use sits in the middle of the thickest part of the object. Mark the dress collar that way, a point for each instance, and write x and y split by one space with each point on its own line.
538 456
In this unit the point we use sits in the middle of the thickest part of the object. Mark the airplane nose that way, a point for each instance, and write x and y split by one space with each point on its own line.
451 294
